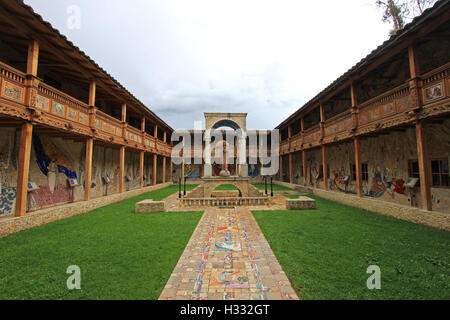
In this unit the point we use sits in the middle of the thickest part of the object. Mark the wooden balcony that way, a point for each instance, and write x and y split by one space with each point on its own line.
28 98
396 107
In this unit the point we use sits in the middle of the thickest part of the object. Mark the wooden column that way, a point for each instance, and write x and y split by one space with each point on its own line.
124 113
122 169
424 166
88 169
33 58
143 124
155 163
141 169
92 93
164 170
23 169
358 168
414 84
155 134
325 167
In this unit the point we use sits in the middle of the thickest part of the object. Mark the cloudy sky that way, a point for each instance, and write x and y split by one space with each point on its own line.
185 57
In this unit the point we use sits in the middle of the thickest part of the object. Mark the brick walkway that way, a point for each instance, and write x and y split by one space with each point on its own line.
228 258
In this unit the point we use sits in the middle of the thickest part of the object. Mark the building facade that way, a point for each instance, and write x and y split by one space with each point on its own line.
382 130
68 130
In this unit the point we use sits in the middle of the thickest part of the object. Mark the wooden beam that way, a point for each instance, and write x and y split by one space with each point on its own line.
121 169
33 58
88 168
424 166
23 170
358 167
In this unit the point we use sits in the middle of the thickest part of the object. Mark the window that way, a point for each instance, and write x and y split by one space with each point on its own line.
439 172
364 172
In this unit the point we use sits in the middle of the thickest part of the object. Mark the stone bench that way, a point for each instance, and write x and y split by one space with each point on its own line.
149 206
302 203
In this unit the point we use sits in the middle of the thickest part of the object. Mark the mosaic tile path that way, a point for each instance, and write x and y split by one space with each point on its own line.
228 258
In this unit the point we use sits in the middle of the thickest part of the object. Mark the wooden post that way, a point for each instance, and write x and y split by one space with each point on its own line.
164 170
122 169
92 93
355 110
414 70
358 168
155 163
143 124
141 169
23 169
325 167
88 169
155 134
124 113
33 58
424 166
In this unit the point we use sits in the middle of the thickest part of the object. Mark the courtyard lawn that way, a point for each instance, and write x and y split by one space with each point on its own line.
276 187
326 252
122 255
226 187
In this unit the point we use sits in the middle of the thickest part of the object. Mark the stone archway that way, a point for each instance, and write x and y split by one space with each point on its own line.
235 121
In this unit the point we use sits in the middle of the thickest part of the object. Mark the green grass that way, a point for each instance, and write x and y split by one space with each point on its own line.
276 187
122 255
326 252
291 196
226 187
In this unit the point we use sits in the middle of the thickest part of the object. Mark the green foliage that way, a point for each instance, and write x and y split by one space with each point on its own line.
398 11
326 252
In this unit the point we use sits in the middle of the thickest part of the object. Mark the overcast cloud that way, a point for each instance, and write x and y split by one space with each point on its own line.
182 58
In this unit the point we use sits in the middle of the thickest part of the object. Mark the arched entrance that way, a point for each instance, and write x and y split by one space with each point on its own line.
235 121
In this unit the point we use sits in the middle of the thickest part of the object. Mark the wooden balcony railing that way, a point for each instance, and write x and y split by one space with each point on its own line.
62 105
133 135
338 123
63 111
108 124
435 84
12 84
312 135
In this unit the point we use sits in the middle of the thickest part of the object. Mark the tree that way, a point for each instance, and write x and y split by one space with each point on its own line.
397 12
